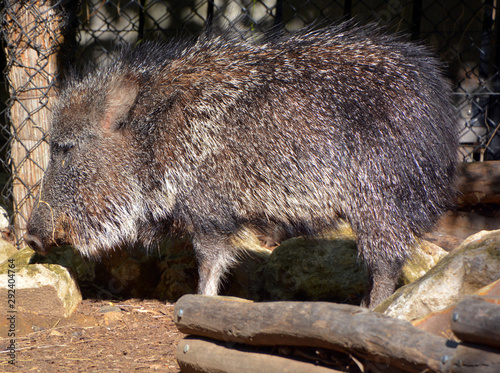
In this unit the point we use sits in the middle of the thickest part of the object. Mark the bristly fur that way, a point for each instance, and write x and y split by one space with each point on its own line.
290 133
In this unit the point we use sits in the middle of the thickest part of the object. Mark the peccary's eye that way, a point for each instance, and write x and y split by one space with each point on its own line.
60 152
66 148
62 148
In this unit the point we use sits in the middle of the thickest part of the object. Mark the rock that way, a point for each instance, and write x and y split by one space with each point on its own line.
7 234
439 322
491 290
109 308
84 269
6 250
324 268
6 231
476 263
112 318
425 256
41 289
4 218
327 268
179 271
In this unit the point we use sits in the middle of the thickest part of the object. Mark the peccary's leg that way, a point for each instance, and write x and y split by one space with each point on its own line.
384 256
215 255
383 278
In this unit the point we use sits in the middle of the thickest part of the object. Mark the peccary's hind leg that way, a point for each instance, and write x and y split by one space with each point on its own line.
384 256
383 277
215 255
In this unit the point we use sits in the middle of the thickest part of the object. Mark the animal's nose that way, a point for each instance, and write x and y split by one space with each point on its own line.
34 242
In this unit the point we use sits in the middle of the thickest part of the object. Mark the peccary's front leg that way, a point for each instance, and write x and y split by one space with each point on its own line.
215 255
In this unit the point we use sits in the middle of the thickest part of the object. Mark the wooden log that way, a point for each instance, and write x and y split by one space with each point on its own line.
476 320
468 359
339 327
478 183
196 355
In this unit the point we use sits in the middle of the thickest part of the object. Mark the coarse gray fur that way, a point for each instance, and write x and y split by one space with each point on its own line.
291 133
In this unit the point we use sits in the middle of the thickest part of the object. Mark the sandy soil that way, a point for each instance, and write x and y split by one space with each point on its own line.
101 336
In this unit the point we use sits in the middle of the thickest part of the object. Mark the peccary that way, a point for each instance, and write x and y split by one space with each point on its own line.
290 133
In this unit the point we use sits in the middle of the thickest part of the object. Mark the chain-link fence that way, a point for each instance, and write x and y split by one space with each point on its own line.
42 38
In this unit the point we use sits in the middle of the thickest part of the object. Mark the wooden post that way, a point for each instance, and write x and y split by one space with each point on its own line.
32 36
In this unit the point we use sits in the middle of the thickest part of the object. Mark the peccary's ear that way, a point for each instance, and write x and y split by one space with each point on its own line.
121 96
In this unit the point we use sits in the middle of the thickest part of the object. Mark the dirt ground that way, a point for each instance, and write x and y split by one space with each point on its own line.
100 336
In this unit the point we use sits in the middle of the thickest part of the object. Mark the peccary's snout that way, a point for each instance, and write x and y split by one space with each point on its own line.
41 233
41 243
34 242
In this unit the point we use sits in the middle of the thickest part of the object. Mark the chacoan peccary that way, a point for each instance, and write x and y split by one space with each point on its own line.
290 133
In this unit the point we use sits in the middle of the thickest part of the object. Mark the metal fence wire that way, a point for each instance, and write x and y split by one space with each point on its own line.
41 38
